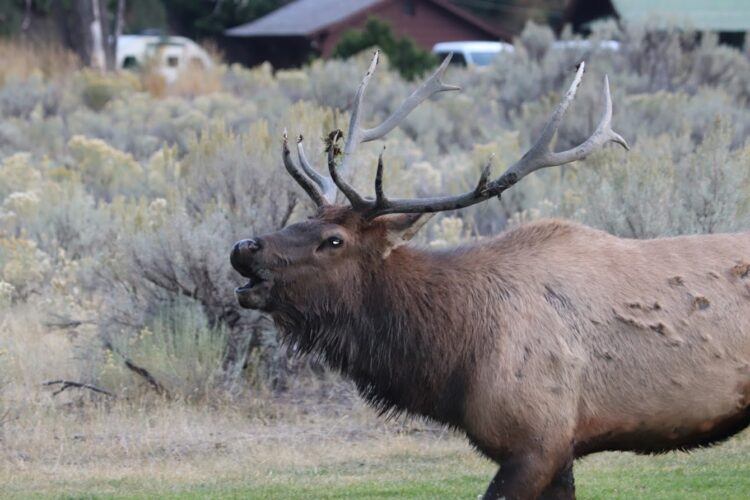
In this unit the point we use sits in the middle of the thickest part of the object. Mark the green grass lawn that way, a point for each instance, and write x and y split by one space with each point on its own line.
722 473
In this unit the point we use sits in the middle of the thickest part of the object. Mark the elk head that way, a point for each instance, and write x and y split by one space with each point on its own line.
326 261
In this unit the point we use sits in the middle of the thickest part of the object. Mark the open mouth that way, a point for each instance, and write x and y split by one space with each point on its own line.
254 278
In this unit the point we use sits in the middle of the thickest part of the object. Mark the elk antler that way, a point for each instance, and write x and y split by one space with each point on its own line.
323 189
314 191
539 156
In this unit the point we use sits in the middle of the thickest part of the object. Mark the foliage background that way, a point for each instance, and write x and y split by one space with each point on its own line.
120 198
404 55
209 18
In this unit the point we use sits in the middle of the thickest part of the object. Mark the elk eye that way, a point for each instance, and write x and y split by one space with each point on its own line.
332 242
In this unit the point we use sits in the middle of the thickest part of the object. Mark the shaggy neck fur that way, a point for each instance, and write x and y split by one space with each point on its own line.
399 337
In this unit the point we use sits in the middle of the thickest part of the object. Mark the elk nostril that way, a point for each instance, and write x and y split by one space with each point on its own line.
241 251
246 246
253 244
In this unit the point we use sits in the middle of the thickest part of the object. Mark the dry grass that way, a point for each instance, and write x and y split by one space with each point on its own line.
21 60
24 59
194 81
82 444
51 447
79 440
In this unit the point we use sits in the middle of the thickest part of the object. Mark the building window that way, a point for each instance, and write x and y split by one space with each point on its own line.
130 62
410 8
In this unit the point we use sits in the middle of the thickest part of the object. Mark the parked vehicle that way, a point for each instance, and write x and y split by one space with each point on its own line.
586 45
477 53
171 54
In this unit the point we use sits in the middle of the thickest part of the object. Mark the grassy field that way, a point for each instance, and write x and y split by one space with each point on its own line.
176 452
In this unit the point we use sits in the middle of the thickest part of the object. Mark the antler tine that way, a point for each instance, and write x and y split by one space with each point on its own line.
311 189
351 194
380 199
542 145
319 186
432 85
539 156
325 183
601 135
358 135
354 136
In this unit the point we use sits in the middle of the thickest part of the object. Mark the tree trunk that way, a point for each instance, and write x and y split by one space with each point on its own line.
116 33
87 28
75 20
98 35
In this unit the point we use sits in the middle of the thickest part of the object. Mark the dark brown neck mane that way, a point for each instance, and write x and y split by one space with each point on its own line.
401 344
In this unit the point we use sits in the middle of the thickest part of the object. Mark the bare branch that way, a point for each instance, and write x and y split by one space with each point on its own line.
290 206
140 371
63 322
67 384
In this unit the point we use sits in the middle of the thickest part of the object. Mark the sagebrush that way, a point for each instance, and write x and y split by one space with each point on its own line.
119 201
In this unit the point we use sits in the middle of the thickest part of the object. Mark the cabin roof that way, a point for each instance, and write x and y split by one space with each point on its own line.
303 17
706 15
307 17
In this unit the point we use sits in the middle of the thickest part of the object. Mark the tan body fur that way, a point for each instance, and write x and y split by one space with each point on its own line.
610 338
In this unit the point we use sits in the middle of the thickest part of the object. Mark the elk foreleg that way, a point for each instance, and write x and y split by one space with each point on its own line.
532 476
562 486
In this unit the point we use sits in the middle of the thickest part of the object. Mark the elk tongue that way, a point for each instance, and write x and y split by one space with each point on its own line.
247 286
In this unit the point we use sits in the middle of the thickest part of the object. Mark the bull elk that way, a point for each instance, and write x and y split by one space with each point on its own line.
546 343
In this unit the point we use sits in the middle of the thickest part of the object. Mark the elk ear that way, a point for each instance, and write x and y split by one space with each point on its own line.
400 228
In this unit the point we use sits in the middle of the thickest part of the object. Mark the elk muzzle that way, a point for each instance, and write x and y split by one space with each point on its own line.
245 260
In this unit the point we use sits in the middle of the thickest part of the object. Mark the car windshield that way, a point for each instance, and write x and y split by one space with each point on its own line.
457 59
482 58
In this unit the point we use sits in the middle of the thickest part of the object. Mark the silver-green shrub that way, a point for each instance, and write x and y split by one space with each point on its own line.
119 208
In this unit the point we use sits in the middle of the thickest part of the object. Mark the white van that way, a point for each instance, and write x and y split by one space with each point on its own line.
173 53
477 53
586 45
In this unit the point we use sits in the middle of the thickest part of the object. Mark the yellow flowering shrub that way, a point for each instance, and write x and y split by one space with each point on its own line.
98 89
22 204
7 292
449 231
23 265
17 173
106 169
